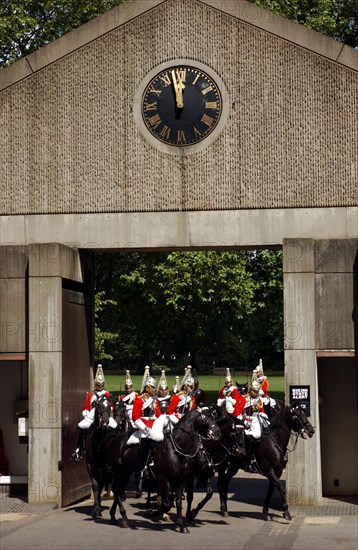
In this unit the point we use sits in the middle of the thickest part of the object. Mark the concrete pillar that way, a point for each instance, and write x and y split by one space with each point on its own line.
48 265
304 483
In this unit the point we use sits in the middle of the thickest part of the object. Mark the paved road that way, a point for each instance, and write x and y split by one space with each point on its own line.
333 525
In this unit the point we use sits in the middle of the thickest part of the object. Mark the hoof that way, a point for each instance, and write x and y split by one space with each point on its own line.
287 515
184 530
125 523
113 521
138 494
268 517
224 513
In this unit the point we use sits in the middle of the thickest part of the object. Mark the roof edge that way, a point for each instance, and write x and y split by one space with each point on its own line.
74 40
240 9
286 29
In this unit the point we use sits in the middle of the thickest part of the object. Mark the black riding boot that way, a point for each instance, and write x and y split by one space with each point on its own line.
76 456
145 457
249 444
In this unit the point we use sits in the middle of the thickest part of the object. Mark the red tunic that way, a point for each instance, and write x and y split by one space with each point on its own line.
87 404
147 414
175 404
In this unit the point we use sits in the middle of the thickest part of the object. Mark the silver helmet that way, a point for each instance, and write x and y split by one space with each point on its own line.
163 381
99 381
128 383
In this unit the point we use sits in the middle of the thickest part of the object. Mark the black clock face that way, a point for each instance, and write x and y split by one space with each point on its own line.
181 106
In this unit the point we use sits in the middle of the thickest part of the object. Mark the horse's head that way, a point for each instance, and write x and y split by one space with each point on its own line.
120 415
232 435
104 407
242 388
205 423
299 422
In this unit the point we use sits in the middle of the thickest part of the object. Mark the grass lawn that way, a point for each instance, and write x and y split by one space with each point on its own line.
209 384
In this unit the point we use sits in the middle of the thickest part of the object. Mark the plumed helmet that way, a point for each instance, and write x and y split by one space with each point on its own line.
163 381
145 376
99 381
128 383
255 386
228 378
176 386
150 382
259 369
188 379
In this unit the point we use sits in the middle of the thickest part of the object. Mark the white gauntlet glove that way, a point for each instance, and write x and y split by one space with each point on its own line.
220 401
139 424
85 413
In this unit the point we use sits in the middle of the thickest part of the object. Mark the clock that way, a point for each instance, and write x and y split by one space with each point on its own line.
181 105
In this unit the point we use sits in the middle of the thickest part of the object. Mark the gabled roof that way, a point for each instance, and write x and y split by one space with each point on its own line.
240 9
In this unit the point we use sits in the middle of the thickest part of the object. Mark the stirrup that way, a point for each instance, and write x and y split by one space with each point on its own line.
144 473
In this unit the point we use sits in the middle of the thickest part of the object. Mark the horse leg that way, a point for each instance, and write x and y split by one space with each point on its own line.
201 504
274 481
179 507
96 489
225 474
138 492
190 496
118 489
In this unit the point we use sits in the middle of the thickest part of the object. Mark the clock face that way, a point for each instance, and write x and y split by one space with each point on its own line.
181 105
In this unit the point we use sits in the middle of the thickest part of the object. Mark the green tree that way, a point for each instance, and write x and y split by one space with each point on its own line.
26 25
211 304
335 18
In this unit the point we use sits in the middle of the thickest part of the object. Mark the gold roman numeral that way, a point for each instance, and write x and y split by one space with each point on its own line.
197 133
154 121
207 90
181 136
150 106
152 90
165 132
166 79
207 120
211 104
196 79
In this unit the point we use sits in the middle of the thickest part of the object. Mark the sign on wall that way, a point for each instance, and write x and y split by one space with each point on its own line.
301 395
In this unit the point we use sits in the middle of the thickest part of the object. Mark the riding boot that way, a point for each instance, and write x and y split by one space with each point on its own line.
249 443
145 451
76 456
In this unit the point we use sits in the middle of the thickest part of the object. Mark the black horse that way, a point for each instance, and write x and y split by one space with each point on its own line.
271 454
96 436
174 461
215 454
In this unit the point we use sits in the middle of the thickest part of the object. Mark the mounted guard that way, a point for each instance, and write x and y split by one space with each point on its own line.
88 412
163 393
128 399
183 401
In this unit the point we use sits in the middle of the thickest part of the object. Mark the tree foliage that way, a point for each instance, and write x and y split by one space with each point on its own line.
217 306
26 25
335 18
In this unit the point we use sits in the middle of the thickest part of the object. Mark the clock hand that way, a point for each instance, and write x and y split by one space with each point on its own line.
178 87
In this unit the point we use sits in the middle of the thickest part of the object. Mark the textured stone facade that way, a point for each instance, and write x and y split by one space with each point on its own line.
70 143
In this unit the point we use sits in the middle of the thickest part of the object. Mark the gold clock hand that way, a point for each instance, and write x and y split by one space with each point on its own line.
178 87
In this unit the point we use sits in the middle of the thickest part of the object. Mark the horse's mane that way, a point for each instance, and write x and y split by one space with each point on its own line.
275 420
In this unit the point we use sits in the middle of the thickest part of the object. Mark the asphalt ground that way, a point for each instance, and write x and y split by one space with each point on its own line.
331 525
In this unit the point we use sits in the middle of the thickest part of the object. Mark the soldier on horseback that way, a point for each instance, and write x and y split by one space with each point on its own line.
229 398
88 412
128 398
146 409
184 400
163 393
258 376
255 420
